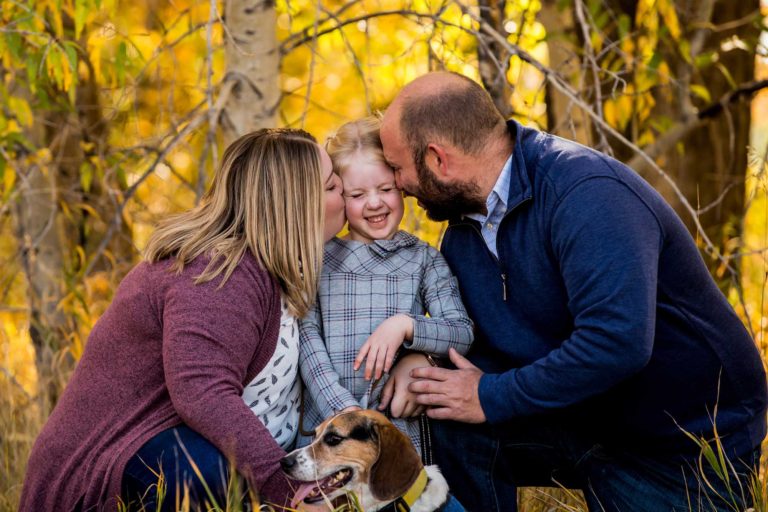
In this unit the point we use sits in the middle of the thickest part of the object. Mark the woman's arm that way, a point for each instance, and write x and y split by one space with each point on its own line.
211 335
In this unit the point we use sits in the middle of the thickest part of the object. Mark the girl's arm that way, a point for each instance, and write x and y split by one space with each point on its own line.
448 324
320 377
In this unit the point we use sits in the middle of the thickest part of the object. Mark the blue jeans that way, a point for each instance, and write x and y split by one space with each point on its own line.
485 464
166 452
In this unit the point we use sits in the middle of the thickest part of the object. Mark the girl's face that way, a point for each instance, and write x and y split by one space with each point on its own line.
334 202
374 204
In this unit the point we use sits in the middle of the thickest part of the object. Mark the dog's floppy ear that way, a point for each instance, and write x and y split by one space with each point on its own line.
397 466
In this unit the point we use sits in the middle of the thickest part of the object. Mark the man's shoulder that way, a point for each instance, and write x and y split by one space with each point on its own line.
555 164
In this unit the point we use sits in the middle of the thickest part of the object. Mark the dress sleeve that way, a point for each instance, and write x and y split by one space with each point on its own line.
448 324
210 336
321 379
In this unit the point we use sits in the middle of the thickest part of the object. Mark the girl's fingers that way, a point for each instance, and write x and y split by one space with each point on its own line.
370 363
389 361
361 355
377 364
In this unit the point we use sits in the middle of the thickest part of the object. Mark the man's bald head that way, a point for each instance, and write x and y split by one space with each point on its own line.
447 108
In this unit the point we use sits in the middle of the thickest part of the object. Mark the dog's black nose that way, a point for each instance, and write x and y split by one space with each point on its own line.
288 462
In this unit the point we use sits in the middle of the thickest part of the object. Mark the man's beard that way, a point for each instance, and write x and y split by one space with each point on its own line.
444 201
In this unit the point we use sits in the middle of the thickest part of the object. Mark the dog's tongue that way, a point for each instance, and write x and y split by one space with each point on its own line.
302 492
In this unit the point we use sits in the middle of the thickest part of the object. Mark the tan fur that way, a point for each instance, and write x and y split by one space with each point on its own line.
392 476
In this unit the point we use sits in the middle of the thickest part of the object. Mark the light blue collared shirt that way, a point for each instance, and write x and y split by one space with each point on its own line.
496 205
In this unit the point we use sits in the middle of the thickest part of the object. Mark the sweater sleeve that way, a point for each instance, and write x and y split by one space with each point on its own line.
448 324
606 241
321 379
210 336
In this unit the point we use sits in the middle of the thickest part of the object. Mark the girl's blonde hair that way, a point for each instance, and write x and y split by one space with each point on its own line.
353 139
267 197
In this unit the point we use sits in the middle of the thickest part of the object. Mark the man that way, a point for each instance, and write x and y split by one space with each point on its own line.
601 339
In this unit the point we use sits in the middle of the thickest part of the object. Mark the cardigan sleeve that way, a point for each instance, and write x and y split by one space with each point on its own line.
606 241
448 324
320 377
210 336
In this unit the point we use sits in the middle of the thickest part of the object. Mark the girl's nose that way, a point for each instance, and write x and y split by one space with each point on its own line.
374 201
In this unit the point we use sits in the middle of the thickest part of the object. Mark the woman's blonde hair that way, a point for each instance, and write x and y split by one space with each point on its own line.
267 196
356 138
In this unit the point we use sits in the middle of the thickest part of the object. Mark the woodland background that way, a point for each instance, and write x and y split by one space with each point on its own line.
114 113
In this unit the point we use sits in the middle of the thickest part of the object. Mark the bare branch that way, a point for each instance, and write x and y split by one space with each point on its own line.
678 132
193 124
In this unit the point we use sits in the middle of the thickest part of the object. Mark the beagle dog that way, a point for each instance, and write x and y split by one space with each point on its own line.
362 452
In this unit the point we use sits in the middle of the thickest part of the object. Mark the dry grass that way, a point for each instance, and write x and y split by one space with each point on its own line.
22 417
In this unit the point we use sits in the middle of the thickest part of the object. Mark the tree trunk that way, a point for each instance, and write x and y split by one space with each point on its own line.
563 118
56 218
709 163
493 59
253 63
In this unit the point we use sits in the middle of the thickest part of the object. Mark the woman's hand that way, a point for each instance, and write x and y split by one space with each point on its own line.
380 348
350 408
396 389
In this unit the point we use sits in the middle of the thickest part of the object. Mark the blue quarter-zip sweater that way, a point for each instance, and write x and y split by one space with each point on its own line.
599 308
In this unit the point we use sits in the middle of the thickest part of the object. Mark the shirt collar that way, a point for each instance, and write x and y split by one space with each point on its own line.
499 195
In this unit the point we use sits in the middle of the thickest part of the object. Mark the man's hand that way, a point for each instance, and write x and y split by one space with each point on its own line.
450 394
382 345
396 389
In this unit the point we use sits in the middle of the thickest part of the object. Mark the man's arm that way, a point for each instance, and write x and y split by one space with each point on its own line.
606 241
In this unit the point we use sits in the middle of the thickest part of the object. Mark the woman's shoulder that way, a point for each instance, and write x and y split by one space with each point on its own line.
248 280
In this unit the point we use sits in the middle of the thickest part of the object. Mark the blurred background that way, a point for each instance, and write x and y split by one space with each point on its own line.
114 113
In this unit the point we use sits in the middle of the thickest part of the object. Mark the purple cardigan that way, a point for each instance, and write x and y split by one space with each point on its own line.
166 351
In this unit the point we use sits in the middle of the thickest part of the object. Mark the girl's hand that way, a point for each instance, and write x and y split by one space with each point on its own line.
380 348
396 389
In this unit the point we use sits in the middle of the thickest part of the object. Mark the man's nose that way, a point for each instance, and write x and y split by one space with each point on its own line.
398 180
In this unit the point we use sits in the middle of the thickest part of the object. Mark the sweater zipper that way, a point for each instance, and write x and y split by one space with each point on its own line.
495 258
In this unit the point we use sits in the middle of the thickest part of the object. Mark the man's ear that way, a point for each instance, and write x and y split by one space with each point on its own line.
436 159
397 466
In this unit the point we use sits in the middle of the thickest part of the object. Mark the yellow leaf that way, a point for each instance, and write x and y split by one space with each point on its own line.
702 92
21 110
9 178
671 21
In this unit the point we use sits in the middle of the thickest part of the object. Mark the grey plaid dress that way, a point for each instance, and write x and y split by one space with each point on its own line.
361 286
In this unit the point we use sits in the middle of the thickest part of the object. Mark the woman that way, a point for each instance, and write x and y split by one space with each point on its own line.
163 372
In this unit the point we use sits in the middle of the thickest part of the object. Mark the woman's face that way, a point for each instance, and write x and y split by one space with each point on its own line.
334 202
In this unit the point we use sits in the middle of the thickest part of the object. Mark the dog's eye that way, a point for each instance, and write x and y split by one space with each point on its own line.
332 439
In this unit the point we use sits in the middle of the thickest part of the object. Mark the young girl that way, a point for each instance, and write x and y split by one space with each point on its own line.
377 286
